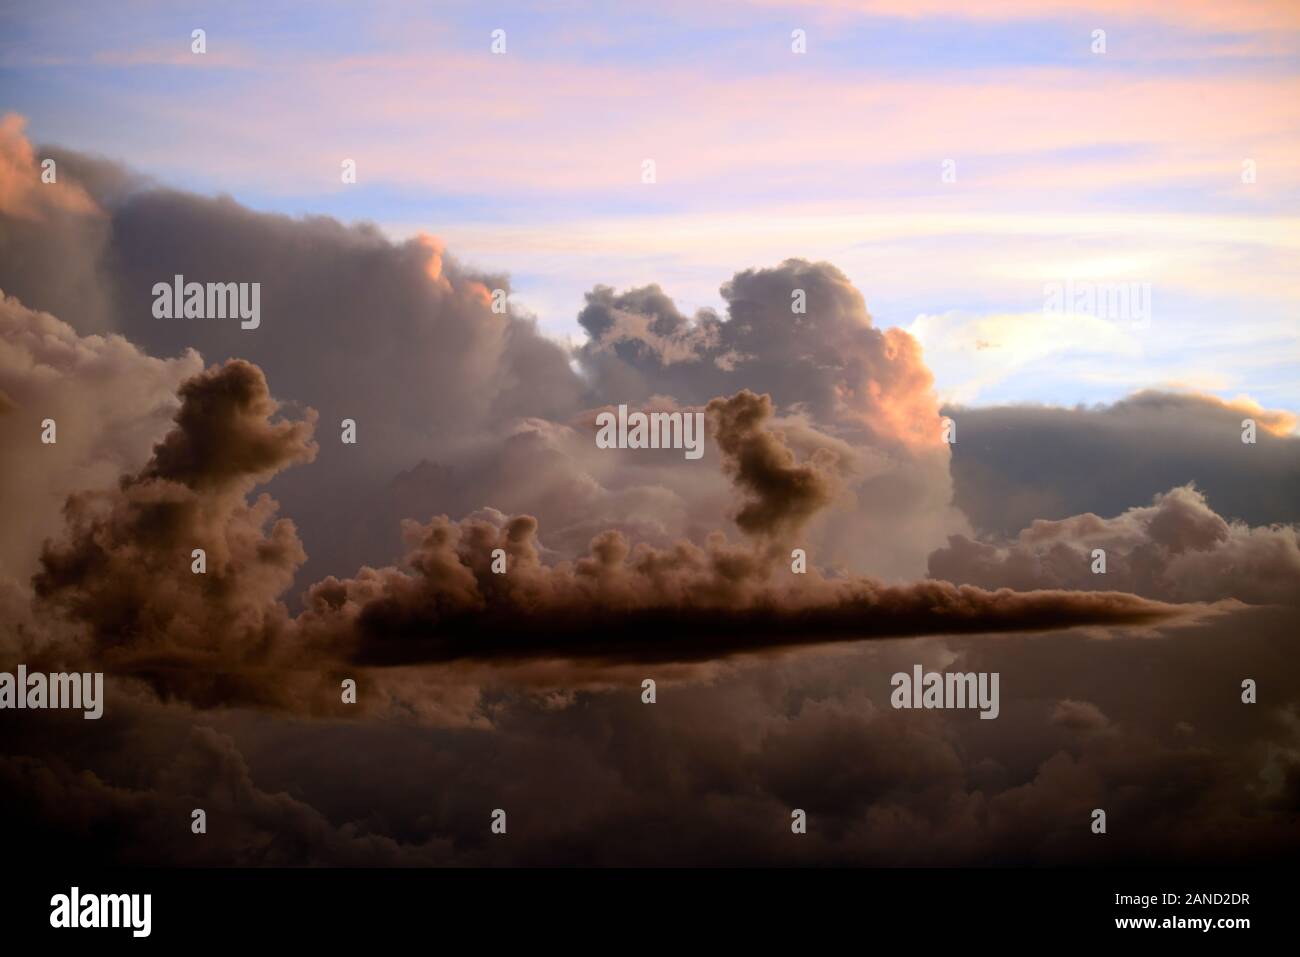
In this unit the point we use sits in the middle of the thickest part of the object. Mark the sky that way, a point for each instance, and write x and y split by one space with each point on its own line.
1122 166
989 338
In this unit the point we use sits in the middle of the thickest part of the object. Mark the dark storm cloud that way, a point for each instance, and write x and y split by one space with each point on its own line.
1014 464
785 494
710 773
620 603
225 437
123 566
143 817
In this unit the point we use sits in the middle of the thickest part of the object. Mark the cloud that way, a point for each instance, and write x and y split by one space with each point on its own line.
710 773
522 690
122 570
53 236
123 567
621 603
828 360
106 819
785 494
342 309
1082 716
1014 464
225 440
23 193
1177 549
861 393
853 470
497 411
109 401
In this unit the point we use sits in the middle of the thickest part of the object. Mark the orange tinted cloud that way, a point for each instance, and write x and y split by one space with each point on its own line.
22 192
1274 421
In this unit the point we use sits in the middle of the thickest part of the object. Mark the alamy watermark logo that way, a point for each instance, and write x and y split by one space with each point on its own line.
80 690
952 689
651 430
179 299
1126 302
75 909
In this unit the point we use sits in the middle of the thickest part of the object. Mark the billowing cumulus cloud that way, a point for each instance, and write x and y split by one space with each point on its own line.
342 309
465 388
1082 716
124 567
801 333
1176 549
